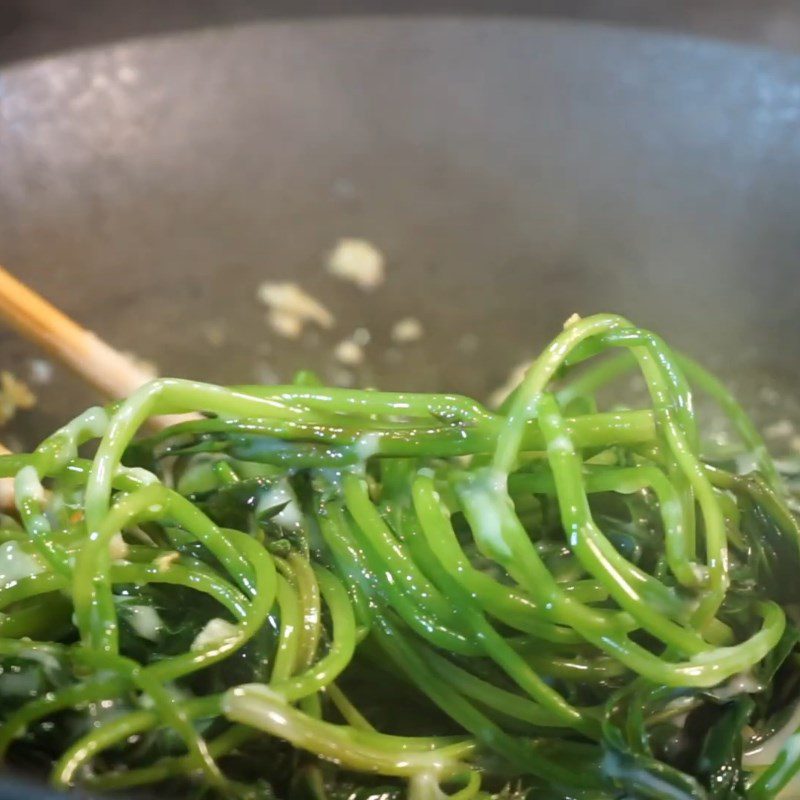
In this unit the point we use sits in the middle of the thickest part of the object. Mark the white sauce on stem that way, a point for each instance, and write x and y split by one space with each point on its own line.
16 563
291 515
743 683
216 631
765 753
146 621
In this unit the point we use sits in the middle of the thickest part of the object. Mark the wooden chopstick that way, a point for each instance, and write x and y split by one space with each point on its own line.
6 485
112 373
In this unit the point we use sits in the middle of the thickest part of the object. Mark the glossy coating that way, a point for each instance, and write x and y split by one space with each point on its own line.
512 171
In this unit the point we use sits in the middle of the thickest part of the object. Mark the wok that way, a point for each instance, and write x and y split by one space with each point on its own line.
512 171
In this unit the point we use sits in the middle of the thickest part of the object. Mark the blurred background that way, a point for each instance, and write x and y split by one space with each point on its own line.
33 27
162 159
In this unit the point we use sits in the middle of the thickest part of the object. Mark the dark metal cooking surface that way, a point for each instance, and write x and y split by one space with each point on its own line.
513 172
32 28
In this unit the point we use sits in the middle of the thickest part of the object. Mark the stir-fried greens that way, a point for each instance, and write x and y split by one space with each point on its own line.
323 593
